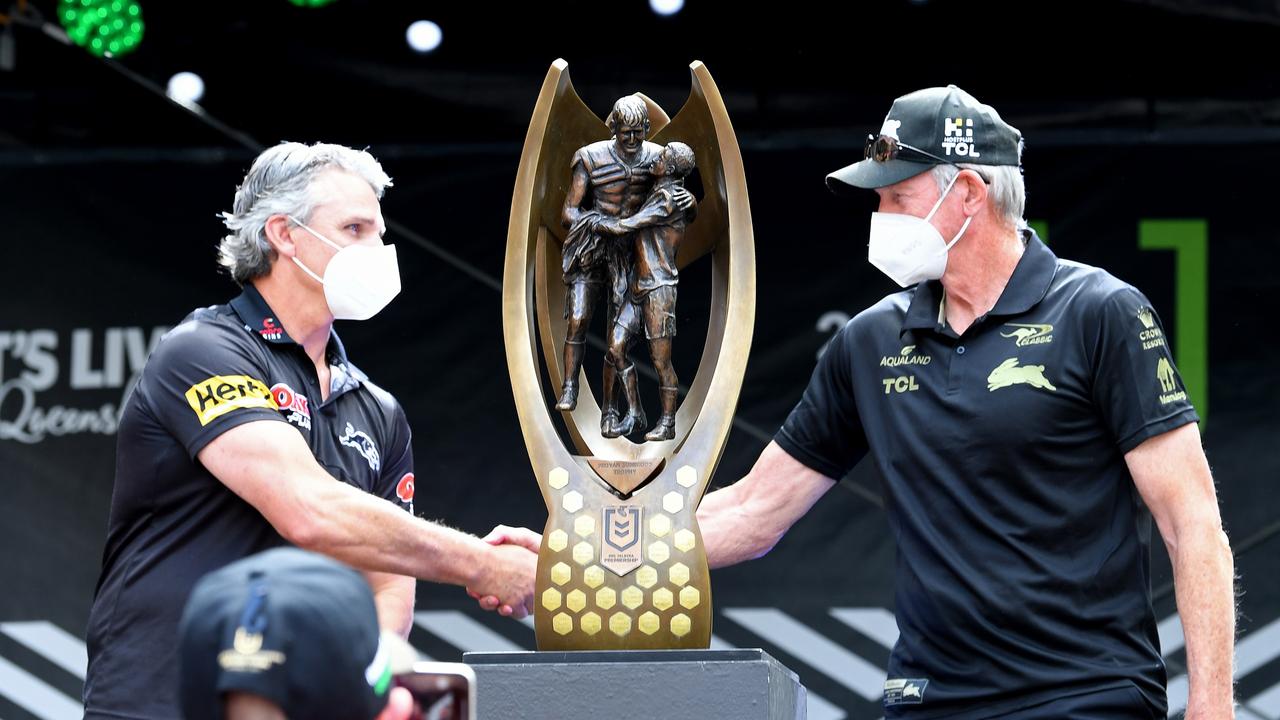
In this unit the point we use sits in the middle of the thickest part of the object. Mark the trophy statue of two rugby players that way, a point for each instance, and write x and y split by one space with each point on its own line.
601 214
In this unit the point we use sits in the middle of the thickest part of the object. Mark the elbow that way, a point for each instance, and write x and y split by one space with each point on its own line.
1200 534
300 531
304 527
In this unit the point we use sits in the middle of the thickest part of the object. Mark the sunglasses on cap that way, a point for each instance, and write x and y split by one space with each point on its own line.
884 147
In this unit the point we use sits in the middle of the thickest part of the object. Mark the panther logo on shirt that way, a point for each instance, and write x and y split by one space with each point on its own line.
363 444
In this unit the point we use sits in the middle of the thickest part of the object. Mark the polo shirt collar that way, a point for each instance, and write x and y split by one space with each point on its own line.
259 319
1026 288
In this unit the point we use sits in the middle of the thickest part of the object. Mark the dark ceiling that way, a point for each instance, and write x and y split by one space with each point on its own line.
794 74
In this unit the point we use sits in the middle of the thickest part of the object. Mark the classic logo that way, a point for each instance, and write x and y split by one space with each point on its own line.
1168 383
1010 373
1150 336
294 403
904 691
620 552
270 330
890 128
957 137
906 356
363 444
221 394
1026 334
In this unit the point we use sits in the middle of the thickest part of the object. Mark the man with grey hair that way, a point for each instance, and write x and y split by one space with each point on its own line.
1027 420
249 428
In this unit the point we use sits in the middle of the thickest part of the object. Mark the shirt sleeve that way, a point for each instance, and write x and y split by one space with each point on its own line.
396 482
824 431
1136 386
202 380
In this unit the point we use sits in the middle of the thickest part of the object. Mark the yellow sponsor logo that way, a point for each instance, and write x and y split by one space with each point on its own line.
247 656
1168 383
906 357
906 383
220 394
1150 336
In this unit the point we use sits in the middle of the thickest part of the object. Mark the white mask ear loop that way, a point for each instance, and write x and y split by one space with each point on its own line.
938 204
927 218
322 239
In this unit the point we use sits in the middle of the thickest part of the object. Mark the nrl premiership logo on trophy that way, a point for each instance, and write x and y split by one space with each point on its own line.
608 210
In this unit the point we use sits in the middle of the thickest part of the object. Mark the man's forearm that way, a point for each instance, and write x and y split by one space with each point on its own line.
729 533
393 596
1204 578
372 534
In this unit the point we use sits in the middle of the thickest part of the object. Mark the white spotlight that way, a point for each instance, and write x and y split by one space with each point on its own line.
186 88
666 7
424 36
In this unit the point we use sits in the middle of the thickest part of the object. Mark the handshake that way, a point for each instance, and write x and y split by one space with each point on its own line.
505 579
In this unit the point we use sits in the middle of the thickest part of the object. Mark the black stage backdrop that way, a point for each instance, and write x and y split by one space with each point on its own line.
102 256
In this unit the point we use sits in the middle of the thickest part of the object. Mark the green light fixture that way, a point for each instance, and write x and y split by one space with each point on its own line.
103 27
312 3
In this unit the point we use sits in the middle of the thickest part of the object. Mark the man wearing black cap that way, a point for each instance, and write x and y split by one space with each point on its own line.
288 634
1021 416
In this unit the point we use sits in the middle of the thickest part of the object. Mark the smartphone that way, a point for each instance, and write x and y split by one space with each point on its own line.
441 691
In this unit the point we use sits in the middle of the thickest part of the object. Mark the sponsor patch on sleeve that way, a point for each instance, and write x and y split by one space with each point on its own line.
221 394
404 490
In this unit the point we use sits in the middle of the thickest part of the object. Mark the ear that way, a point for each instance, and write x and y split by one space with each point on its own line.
278 231
974 191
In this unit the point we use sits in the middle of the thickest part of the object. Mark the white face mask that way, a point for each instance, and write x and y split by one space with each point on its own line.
909 249
359 281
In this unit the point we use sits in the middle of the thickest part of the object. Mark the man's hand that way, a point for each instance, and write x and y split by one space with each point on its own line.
684 199
610 226
506 535
506 580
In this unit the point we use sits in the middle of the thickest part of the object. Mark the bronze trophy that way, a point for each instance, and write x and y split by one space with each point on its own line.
601 222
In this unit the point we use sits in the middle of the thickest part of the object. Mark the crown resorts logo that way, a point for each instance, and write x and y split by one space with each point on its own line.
957 137
1150 335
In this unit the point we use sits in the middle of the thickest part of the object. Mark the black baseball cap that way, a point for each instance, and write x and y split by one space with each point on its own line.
936 125
296 628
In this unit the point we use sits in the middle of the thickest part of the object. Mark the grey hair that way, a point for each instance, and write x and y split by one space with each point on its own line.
1006 190
279 183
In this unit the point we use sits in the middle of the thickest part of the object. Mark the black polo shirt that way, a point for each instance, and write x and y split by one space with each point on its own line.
172 521
1023 547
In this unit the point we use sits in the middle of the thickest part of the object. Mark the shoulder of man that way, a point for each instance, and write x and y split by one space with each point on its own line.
890 309
215 324
1089 287
387 403
593 156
